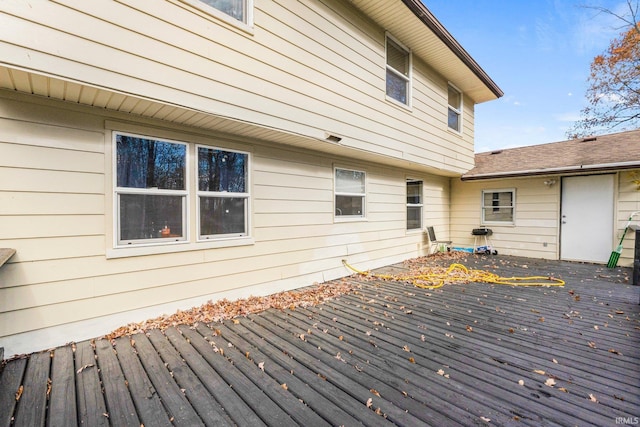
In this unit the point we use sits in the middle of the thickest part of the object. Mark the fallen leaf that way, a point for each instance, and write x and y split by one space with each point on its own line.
538 371
369 402
554 361
485 419
19 393
284 386
404 393
440 372
89 365
412 360
261 366
302 337
619 312
593 398
521 382
406 348
591 344
374 391
550 382
511 330
423 338
611 350
563 389
469 328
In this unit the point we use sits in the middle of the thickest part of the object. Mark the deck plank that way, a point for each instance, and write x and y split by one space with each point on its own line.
10 382
202 400
120 406
91 406
148 405
62 401
178 407
291 404
33 403
200 360
299 388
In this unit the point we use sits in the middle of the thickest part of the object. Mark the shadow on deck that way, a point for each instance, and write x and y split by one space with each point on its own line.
389 353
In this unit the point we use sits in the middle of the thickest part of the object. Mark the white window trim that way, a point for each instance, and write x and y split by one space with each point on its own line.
459 110
162 247
416 205
212 11
408 78
513 206
349 218
219 194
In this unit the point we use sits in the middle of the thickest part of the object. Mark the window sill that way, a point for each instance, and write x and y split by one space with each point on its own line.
351 219
174 247
399 104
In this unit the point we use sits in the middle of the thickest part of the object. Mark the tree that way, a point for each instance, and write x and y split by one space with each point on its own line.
613 94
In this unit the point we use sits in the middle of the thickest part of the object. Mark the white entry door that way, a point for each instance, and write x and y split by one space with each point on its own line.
586 226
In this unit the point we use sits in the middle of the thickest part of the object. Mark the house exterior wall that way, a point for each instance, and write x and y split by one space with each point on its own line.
66 280
536 229
306 67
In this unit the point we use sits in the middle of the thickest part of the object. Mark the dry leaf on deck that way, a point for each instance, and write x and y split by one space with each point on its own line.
369 402
550 382
261 366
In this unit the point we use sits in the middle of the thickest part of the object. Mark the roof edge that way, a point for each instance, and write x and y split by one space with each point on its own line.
421 11
549 171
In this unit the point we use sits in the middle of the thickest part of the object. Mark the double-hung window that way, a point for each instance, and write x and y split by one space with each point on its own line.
223 195
498 206
153 196
398 72
350 192
454 119
414 204
151 190
240 10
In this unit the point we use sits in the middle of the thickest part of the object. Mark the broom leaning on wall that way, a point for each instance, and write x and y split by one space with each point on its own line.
615 255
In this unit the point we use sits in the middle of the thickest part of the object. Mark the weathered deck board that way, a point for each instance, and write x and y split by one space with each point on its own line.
91 407
10 382
451 356
34 396
232 409
296 410
62 401
178 407
146 399
120 406
196 393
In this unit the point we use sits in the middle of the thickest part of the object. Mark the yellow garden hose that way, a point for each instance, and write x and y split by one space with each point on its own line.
436 277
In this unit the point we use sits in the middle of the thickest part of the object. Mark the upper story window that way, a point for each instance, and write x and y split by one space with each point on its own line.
398 72
454 120
350 193
414 204
498 206
240 10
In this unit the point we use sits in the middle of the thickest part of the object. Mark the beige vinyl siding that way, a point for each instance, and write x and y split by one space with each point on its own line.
56 210
535 224
307 67
628 202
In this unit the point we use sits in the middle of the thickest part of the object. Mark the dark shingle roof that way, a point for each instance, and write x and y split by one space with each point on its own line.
604 152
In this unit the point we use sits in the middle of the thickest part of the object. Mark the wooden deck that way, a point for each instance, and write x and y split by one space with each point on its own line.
390 354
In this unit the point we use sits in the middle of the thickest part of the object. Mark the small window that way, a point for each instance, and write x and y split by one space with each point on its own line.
223 196
454 120
414 205
398 72
498 206
349 193
240 10
151 190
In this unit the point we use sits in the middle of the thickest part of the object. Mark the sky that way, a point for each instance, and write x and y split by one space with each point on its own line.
539 53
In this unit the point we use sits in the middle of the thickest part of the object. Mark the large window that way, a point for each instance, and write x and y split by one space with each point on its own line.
454 120
153 195
498 206
240 10
398 72
414 205
151 189
223 196
350 193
